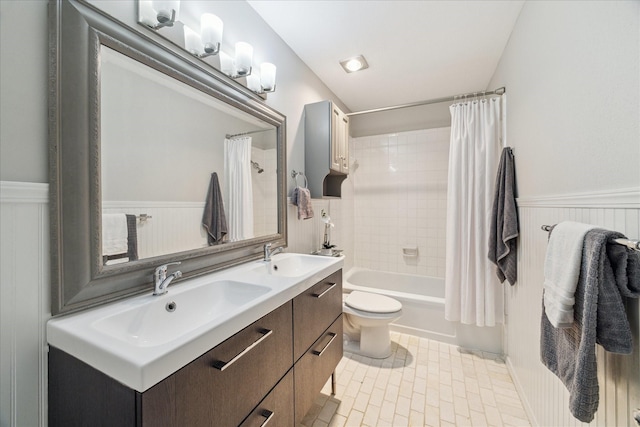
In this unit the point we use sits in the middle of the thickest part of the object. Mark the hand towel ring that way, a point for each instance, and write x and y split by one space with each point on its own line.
295 176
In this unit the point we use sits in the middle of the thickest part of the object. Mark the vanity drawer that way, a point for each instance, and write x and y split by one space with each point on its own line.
224 385
277 408
314 310
315 367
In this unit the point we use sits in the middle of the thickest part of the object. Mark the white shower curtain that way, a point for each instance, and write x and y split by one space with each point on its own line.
472 292
238 190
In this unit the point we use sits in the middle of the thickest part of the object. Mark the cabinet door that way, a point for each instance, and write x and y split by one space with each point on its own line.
314 310
156 406
336 137
313 369
224 385
344 143
277 408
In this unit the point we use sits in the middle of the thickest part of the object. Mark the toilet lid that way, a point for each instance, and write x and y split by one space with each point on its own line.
372 303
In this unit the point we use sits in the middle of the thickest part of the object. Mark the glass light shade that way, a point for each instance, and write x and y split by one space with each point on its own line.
354 65
211 32
192 41
226 64
268 76
253 82
244 56
164 9
147 15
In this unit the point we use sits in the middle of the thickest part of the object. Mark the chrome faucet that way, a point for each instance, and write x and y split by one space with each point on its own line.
268 252
161 279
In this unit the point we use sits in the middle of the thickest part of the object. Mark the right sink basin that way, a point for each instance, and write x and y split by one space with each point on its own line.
292 265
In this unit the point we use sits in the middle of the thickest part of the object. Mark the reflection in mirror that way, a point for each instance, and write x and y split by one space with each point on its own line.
180 170
138 128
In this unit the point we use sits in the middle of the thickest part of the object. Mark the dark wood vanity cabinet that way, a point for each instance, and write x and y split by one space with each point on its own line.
271 370
226 385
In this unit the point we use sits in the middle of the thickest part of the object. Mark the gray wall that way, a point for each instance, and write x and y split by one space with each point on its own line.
572 70
572 75
24 50
23 91
402 120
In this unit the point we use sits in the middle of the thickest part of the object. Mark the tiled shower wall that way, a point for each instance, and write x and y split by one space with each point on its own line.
399 186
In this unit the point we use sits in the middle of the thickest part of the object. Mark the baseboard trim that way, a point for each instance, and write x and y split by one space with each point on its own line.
521 392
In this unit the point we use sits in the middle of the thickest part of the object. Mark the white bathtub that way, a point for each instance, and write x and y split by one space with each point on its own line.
422 299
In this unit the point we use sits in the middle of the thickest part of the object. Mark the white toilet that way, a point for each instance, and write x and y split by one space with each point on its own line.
366 323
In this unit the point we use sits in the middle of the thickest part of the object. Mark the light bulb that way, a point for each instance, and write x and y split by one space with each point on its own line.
192 41
268 76
211 32
244 57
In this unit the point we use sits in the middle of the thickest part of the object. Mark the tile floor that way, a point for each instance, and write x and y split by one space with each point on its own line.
423 383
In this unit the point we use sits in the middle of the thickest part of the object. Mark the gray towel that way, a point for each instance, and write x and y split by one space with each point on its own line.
213 219
503 232
301 197
132 237
608 272
132 244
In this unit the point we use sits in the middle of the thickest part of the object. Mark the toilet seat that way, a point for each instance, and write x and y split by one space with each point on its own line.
372 303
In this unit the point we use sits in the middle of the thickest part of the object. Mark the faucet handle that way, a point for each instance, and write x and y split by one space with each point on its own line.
161 270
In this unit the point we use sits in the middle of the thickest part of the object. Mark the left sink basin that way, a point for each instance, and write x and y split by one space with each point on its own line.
165 318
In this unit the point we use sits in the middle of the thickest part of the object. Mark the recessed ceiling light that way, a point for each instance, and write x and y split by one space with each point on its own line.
354 64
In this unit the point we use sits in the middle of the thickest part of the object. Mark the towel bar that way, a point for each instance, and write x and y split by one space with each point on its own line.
631 244
143 217
295 176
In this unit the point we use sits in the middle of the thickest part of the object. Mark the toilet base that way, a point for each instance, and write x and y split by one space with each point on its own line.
375 342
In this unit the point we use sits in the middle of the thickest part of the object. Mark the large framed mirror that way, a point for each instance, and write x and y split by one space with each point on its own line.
153 159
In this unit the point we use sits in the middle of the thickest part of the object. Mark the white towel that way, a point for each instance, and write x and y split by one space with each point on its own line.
562 270
114 234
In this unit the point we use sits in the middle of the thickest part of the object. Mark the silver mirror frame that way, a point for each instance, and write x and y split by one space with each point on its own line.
79 280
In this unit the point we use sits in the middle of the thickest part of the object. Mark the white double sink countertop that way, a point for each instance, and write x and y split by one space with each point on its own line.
139 341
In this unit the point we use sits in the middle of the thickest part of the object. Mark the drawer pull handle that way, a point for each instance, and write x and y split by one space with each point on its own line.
319 353
268 415
221 366
320 295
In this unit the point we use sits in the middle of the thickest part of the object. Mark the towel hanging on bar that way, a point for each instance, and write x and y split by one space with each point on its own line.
631 244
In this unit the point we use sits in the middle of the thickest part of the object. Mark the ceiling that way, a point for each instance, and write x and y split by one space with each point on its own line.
416 50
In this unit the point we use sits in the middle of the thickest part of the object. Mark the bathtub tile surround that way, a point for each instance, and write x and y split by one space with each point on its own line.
400 198
423 383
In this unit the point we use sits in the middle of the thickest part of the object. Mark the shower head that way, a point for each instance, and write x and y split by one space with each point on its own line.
256 166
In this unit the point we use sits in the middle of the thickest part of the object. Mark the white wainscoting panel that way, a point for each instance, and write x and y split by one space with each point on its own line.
173 226
544 395
24 303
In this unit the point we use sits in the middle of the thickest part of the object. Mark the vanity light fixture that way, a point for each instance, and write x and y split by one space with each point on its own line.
240 65
265 81
157 14
244 57
356 63
207 43
192 42
253 82
210 33
268 77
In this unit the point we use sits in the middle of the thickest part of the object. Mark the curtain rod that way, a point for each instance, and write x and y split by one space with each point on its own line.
499 91
247 133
